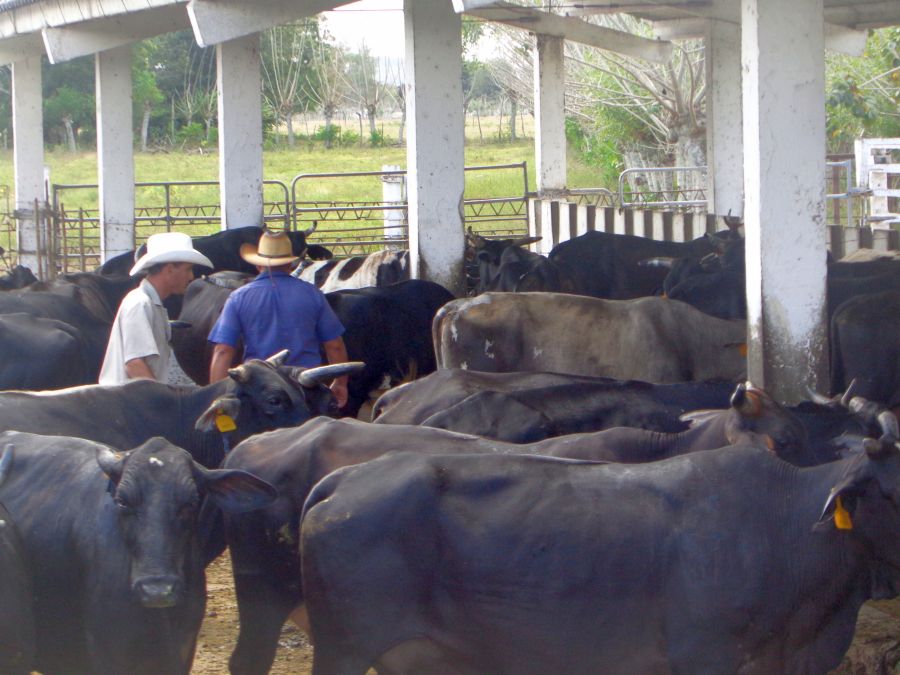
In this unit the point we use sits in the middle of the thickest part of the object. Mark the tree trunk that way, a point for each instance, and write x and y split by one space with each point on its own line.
328 117
359 117
478 119
145 125
373 130
289 118
70 134
513 118
402 125
500 126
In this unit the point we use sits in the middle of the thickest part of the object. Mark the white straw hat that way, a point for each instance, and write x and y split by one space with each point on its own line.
174 247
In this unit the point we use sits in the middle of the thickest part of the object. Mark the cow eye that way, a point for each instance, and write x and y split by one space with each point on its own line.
124 507
274 401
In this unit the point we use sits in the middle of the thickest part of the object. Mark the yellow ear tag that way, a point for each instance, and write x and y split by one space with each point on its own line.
225 423
842 520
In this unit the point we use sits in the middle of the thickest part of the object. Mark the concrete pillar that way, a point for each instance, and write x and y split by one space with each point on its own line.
724 136
434 154
28 158
115 151
239 89
549 113
784 194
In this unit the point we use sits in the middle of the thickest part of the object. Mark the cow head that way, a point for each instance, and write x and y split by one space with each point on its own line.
266 395
157 489
866 502
487 253
756 417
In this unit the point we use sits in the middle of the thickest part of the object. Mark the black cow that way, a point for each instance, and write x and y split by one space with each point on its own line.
389 329
865 347
528 407
381 268
118 575
69 310
258 396
17 277
721 561
41 354
223 250
605 265
522 271
650 339
263 544
17 641
99 295
202 304
485 257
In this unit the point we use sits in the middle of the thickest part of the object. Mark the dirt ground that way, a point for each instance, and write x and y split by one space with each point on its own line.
218 634
220 627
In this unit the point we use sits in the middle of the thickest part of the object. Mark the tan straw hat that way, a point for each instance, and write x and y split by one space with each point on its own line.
169 247
274 249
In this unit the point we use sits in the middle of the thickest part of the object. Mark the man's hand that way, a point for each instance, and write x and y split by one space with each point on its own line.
339 389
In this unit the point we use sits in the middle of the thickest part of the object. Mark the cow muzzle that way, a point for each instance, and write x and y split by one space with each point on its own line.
158 592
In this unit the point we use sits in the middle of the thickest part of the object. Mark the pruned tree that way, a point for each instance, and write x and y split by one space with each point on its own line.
364 89
325 85
287 56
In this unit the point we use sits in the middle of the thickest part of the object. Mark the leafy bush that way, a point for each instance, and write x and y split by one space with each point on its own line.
349 137
376 139
332 133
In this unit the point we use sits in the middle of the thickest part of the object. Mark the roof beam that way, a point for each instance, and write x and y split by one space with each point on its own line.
865 14
33 18
569 28
837 38
222 20
91 37
20 47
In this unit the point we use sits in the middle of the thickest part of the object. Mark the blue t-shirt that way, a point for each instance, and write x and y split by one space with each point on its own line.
275 312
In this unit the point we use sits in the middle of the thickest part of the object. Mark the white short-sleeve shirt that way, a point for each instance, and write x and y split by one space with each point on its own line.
140 330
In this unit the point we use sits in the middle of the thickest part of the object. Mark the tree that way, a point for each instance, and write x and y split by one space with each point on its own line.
69 108
324 84
287 56
146 92
363 87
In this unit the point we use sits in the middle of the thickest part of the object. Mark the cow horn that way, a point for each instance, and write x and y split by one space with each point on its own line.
816 397
845 398
659 261
6 458
525 240
239 374
308 231
278 358
311 377
888 423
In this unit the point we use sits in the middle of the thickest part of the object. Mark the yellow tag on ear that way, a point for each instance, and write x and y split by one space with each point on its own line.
842 520
225 423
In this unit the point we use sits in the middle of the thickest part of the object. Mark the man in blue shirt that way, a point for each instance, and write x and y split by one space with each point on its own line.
276 311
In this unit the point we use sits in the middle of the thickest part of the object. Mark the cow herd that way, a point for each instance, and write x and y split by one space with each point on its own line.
568 473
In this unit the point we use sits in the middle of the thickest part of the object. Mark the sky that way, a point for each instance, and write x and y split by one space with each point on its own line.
378 23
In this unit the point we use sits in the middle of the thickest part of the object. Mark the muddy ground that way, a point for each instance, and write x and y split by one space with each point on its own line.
877 633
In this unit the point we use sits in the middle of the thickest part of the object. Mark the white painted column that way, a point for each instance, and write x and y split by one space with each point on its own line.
239 88
28 157
434 154
784 189
549 113
724 135
115 151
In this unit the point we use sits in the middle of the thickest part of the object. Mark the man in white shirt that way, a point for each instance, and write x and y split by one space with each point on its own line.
139 340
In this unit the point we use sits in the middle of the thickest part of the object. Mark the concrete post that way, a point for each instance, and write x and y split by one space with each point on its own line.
239 89
115 151
724 136
549 113
28 158
784 194
434 155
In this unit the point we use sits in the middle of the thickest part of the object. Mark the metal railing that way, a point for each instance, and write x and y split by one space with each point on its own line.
671 195
351 227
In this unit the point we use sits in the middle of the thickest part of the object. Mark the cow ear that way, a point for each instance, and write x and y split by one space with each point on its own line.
234 491
111 463
838 510
222 407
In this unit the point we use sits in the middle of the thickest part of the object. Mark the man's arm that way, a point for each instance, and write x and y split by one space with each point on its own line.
336 352
138 368
222 358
